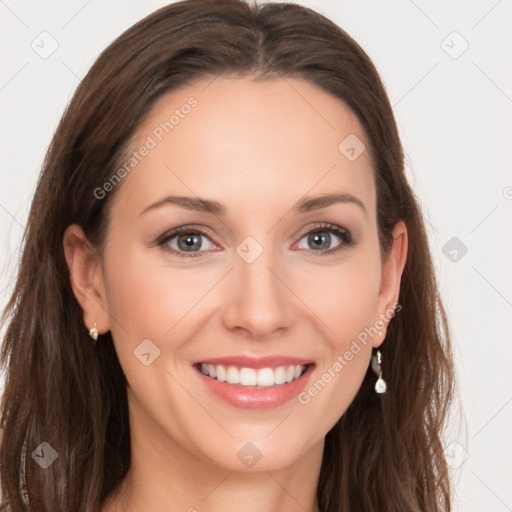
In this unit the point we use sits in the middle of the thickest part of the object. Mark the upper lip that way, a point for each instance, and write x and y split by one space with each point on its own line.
257 362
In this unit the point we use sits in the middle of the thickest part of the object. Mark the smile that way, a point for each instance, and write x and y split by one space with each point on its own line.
243 376
265 387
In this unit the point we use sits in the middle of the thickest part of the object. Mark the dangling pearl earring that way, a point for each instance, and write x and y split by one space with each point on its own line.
380 385
93 333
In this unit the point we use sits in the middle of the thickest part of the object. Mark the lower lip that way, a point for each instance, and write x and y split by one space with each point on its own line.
249 397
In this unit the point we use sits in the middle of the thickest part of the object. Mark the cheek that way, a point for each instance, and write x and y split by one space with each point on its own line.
147 297
346 305
344 296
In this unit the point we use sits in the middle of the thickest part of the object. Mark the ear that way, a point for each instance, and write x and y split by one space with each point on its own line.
392 270
86 277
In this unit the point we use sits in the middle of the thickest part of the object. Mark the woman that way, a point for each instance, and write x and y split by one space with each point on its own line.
226 298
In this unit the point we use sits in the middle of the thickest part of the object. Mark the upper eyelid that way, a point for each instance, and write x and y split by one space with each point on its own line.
325 226
171 233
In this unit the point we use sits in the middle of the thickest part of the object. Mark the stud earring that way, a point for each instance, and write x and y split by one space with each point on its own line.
93 333
380 385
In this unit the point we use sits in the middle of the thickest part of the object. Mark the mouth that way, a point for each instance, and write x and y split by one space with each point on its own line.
250 382
253 378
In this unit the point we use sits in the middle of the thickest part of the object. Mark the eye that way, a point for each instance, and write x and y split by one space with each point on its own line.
325 239
185 241
189 241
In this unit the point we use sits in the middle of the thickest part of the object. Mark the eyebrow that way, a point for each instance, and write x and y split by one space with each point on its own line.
215 208
315 203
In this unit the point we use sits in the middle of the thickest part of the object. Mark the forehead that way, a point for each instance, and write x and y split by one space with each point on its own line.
249 139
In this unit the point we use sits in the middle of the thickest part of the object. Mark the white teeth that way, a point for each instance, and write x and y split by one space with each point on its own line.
232 375
221 374
248 377
264 377
280 375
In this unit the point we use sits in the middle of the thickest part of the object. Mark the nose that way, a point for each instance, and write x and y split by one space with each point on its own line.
259 301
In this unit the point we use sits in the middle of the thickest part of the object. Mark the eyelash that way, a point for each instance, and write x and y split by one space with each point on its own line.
340 232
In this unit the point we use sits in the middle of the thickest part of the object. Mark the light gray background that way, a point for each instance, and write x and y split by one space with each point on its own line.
453 110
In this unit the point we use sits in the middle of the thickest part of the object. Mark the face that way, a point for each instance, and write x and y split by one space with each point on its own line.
271 252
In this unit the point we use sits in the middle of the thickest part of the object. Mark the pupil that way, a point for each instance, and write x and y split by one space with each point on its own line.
320 240
189 242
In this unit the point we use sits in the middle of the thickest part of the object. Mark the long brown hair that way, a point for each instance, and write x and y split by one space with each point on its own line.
385 453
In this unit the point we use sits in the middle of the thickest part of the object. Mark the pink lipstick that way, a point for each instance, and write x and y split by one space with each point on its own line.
255 383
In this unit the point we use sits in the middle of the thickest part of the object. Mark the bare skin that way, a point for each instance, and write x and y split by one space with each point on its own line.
258 149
